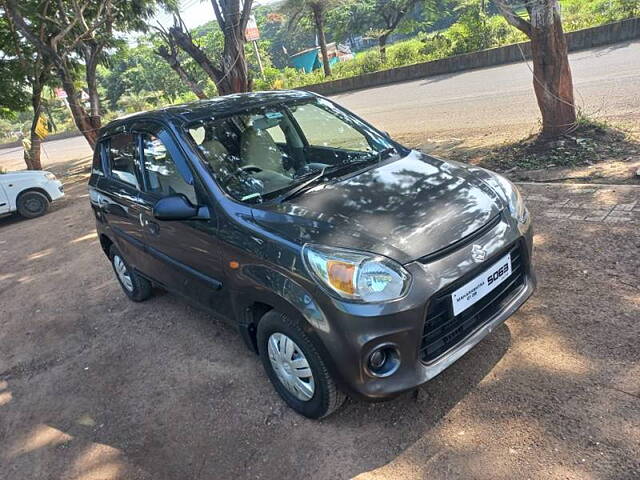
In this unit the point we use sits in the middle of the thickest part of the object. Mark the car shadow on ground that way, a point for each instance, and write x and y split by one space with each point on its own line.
215 422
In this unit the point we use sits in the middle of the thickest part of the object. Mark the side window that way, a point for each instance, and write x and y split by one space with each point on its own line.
164 177
324 129
123 158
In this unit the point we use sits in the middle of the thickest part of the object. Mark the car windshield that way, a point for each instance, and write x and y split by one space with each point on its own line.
269 152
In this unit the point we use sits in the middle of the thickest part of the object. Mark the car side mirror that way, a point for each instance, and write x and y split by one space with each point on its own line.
178 207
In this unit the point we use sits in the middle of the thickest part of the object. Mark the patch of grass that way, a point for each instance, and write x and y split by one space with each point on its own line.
590 142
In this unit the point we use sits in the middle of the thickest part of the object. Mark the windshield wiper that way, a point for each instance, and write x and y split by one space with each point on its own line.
303 187
319 177
373 158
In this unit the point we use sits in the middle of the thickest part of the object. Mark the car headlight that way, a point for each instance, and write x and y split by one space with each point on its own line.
356 276
513 197
50 176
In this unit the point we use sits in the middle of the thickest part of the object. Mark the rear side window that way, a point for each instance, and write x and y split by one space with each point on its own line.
123 157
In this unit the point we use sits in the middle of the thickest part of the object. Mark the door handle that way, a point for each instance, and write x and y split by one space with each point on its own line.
151 226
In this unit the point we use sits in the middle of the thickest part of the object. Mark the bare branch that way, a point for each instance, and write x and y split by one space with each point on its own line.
13 14
219 16
513 18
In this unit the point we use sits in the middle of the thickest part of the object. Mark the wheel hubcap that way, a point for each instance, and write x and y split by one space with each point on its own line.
123 273
34 205
291 366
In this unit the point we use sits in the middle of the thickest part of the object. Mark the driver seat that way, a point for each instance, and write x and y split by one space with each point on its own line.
258 148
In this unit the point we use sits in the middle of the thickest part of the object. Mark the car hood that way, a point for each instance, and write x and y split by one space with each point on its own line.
404 208
22 175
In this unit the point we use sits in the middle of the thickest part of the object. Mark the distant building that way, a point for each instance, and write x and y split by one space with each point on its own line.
311 58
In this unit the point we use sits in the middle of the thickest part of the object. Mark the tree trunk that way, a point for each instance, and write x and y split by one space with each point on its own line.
32 157
233 77
234 63
176 66
184 41
80 116
92 56
318 17
553 83
382 44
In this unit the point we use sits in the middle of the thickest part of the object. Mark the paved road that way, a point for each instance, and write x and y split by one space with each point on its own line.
500 100
54 152
497 102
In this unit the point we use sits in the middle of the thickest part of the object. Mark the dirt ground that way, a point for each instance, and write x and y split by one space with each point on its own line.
93 386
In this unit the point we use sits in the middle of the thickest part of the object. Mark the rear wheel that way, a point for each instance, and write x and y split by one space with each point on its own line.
134 286
296 368
32 204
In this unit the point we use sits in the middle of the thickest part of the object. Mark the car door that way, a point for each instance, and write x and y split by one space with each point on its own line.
184 254
118 197
4 201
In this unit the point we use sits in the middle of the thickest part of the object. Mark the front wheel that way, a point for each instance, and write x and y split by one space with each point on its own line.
134 286
296 368
32 204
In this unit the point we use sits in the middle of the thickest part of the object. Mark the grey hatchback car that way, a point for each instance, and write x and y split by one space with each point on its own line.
351 264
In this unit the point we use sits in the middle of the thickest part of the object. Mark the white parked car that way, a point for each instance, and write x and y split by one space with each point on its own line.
29 192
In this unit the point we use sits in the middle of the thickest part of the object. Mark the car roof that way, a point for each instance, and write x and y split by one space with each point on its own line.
222 106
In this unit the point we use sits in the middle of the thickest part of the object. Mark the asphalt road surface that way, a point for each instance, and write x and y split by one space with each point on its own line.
500 100
493 102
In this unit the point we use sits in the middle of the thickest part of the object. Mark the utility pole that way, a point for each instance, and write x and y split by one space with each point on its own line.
255 47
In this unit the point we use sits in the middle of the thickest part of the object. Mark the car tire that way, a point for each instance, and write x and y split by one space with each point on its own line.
134 286
325 397
32 204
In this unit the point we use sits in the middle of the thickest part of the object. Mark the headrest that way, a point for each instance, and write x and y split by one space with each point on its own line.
267 121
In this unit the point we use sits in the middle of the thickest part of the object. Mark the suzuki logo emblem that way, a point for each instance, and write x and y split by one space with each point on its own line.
478 253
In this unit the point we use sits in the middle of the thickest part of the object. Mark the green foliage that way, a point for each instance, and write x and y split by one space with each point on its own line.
579 14
13 77
137 69
476 30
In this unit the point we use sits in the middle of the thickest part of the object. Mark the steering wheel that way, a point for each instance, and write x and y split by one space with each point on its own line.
251 169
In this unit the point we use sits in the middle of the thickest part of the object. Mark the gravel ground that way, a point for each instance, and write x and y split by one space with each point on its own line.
93 386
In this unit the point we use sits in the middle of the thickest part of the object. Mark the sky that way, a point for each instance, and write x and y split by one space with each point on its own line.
197 12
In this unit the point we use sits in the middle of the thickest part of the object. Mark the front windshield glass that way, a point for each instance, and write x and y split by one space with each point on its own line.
263 153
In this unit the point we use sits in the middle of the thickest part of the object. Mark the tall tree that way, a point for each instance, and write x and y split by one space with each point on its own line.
230 72
316 10
169 52
552 80
79 29
58 47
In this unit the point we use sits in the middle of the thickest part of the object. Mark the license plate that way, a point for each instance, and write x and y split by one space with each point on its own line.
482 285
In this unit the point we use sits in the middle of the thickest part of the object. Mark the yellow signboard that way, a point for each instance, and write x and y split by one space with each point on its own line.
42 127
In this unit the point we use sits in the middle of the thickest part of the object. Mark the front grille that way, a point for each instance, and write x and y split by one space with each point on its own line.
442 330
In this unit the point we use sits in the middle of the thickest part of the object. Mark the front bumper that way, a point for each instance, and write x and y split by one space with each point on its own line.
55 189
357 330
